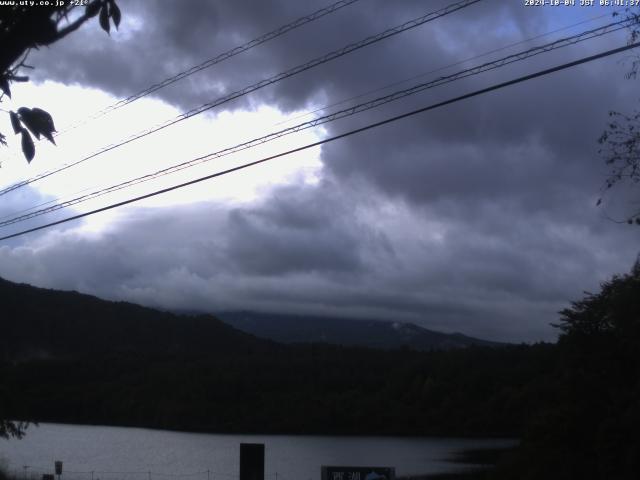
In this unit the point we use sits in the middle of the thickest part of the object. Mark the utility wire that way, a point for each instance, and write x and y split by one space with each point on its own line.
263 83
386 87
48 202
516 57
370 126
210 62
445 67
218 59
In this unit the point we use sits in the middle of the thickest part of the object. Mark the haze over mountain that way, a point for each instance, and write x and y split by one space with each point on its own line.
39 322
347 332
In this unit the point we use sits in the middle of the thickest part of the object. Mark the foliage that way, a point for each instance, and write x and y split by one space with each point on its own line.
620 142
620 146
10 429
613 313
589 431
23 27
303 389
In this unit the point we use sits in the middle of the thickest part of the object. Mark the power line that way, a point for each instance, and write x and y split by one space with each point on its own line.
396 118
48 202
445 67
219 58
261 84
14 219
516 57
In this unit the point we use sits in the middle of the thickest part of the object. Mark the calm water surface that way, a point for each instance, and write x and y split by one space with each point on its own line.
114 453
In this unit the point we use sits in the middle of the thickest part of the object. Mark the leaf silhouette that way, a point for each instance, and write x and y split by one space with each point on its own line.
93 8
4 86
114 12
15 122
44 123
38 121
104 18
28 148
29 120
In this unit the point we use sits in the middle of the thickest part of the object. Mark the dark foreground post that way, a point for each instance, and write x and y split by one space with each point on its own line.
252 461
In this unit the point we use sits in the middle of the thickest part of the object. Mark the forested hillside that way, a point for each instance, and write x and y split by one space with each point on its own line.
42 323
74 358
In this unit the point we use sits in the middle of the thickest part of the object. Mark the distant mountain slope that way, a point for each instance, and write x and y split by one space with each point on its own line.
347 332
68 357
42 323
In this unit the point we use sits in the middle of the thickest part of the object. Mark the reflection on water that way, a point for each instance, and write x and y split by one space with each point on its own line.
116 453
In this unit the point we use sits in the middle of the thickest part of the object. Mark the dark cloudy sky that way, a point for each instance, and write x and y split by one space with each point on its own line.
478 217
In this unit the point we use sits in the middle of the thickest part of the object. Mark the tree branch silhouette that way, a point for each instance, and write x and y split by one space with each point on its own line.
23 28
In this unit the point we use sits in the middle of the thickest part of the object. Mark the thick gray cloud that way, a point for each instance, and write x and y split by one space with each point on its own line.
160 38
477 217
317 250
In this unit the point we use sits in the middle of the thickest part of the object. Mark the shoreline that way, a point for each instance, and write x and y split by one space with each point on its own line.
493 437
480 463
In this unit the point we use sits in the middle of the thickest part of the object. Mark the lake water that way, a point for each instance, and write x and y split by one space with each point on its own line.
113 453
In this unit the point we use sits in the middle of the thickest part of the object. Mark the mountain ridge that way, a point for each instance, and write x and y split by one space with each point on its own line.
38 322
73 358
380 334
55 322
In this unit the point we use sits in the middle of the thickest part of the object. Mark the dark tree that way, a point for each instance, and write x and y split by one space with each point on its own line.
10 429
589 429
24 27
613 312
